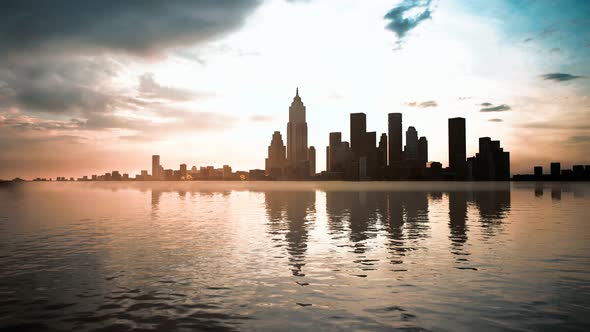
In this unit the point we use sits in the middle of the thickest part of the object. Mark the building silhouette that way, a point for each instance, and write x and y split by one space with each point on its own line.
491 162
555 169
297 138
156 167
311 159
422 151
457 147
358 131
411 148
276 163
394 128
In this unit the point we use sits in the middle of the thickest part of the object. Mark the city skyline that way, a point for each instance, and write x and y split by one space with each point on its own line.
86 94
363 159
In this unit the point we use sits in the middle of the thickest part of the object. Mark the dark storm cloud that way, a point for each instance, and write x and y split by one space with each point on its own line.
560 77
55 86
408 15
499 108
136 27
149 88
425 104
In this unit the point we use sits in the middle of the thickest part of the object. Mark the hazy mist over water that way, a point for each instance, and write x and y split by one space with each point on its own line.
294 256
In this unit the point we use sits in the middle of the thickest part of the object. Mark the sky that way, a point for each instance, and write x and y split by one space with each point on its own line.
91 87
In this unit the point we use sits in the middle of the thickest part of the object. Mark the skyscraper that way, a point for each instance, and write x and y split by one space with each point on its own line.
422 151
491 162
297 134
358 131
277 160
311 158
335 140
156 167
382 151
411 144
457 149
394 124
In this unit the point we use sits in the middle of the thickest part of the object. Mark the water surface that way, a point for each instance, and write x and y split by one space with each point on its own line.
294 256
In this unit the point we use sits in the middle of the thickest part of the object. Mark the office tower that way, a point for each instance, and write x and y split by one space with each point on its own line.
394 127
156 167
411 150
382 151
296 134
335 140
555 169
372 157
311 158
457 150
277 158
538 171
422 151
491 162
358 130
183 171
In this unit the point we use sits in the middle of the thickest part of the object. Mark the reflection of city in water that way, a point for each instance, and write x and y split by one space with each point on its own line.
306 256
356 218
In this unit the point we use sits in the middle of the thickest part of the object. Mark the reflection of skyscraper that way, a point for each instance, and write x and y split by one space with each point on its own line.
395 137
457 146
493 206
458 219
277 159
288 211
297 134
156 167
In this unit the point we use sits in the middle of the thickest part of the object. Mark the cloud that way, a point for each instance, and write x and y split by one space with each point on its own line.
560 77
75 84
149 88
495 120
425 104
499 108
261 118
555 125
407 16
140 28
486 104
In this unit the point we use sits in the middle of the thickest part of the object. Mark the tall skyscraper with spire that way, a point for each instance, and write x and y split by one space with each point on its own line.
297 134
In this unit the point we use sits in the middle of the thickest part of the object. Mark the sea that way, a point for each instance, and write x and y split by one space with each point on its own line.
295 256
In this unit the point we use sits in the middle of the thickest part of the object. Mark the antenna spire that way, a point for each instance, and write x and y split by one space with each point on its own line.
297 92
